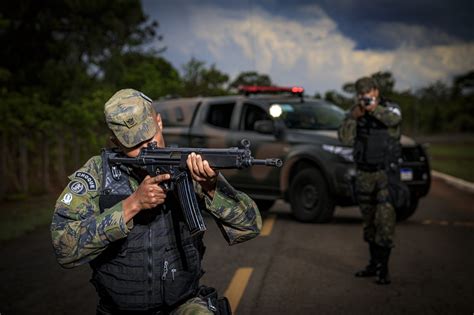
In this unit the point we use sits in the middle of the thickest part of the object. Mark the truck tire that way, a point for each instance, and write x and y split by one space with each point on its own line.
263 204
309 197
406 212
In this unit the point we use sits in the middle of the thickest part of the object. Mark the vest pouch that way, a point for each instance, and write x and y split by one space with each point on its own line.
180 283
375 149
370 150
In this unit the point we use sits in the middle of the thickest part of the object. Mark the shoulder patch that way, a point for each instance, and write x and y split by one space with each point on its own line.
78 188
88 178
67 198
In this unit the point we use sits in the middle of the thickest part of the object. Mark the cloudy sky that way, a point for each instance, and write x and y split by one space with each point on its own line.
321 45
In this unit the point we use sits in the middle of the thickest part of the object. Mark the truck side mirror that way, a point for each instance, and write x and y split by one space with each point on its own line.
264 126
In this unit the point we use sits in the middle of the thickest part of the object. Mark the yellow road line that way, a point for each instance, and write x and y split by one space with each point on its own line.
268 225
237 286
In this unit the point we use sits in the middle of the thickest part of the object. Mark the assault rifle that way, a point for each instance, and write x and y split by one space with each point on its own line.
172 160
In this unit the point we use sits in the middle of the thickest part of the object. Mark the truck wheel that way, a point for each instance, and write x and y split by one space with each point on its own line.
406 212
309 197
264 205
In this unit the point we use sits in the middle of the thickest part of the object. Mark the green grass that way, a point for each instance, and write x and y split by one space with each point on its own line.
24 215
452 151
456 159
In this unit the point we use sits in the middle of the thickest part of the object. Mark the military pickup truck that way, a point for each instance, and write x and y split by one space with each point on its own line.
317 172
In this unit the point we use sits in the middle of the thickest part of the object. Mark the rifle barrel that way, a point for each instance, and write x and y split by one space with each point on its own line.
268 162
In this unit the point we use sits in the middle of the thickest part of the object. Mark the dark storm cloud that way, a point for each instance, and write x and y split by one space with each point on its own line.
389 24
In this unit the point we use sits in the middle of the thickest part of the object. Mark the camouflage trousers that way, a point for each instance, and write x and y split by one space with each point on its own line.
377 211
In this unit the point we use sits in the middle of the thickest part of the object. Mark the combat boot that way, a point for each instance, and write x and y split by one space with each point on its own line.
383 276
371 269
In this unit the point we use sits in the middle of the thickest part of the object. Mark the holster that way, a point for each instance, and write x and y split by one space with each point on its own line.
218 305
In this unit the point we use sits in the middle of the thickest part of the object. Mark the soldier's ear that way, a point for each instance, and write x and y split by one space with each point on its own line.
159 121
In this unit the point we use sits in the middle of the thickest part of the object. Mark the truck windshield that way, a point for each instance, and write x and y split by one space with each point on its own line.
311 115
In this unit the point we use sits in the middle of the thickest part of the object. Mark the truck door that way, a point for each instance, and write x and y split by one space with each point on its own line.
211 128
258 179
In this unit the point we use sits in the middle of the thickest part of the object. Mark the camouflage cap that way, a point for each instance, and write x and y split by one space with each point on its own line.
130 116
364 85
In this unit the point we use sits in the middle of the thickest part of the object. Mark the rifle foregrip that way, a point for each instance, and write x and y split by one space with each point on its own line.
189 204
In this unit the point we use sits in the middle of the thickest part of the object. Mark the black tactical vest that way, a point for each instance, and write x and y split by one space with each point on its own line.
157 265
374 148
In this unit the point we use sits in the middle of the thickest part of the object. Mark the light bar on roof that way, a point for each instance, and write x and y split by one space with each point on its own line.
255 89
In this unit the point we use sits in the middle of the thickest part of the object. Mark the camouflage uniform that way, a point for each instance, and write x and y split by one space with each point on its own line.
372 187
375 136
81 232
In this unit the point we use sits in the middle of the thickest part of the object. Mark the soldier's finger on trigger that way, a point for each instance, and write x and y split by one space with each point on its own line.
161 178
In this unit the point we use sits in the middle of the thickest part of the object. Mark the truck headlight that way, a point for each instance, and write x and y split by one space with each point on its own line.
344 152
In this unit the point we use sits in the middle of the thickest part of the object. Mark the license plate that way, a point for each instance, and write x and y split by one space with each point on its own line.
406 174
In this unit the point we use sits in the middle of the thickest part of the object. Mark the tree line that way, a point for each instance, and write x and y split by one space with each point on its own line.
62 59
436 108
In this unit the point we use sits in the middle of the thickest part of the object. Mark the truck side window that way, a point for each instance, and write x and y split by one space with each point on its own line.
252 113
219 115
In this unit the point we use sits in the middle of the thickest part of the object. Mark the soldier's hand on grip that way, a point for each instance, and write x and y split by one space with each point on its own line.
202 173
358 111
148 195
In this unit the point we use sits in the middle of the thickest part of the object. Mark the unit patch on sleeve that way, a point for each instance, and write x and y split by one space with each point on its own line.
77 188
67 199
90 181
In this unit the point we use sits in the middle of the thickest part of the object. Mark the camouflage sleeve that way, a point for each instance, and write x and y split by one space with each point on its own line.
390 115
79 231
347 131
236 214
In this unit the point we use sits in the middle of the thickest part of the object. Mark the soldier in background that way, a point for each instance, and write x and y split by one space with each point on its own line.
131 231
373 128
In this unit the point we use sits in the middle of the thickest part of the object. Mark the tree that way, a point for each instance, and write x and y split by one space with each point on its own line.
464 84
338 99
385 82
53 46
152 75
199 80
250 78
53 58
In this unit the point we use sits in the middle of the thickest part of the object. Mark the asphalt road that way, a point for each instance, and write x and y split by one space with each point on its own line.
295 269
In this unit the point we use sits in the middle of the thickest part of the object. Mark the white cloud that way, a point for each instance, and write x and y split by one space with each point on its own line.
312 52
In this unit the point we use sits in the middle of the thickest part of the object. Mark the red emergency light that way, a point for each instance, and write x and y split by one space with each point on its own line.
255 89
